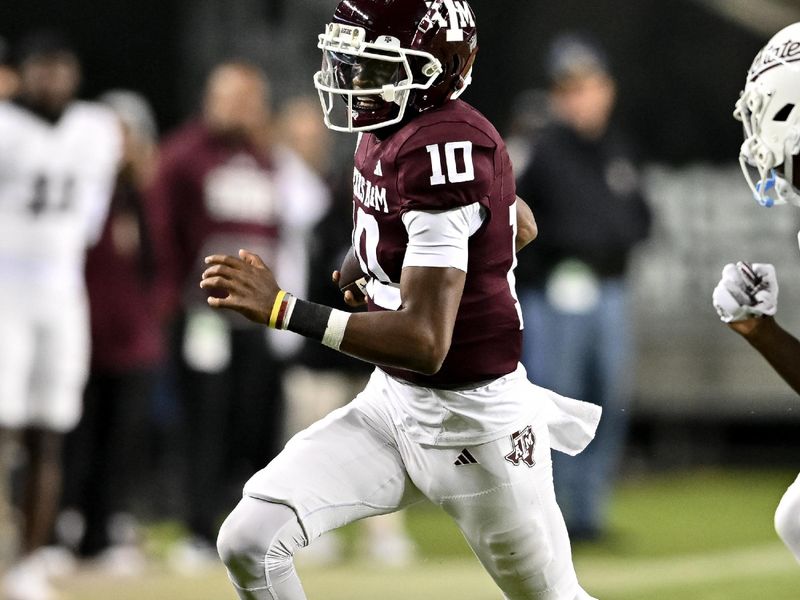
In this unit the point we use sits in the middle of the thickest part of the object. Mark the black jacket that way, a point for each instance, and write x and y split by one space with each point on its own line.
587 201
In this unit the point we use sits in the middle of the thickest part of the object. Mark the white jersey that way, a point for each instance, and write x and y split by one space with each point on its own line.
56 181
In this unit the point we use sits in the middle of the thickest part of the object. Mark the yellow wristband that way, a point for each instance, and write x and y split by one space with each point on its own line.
276 309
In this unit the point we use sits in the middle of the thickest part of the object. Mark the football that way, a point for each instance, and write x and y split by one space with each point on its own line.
351 277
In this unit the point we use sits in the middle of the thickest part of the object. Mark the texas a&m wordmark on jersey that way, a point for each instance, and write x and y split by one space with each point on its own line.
56 180
447 158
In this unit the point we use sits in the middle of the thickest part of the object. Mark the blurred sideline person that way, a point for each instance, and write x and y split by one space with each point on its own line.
9 82
322 380
107 453
9 79
223 183
58 158
449 414
582 182
299 128
746 298
530 114
8 87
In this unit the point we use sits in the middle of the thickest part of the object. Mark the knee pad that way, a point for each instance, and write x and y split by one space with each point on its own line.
257 541
519 560
529 562
787 518
235 540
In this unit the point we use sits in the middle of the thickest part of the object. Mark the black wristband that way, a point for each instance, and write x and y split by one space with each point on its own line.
309 319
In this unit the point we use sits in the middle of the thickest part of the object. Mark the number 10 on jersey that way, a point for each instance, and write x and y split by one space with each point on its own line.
455 173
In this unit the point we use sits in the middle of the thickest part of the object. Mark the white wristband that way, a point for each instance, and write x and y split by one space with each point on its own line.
334 332
289 310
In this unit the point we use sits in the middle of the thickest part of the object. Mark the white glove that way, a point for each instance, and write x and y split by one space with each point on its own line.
746 291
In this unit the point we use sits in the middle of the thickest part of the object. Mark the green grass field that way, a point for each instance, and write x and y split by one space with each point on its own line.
704 535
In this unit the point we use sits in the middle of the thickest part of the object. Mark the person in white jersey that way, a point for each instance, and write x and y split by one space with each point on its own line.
58 158
746 297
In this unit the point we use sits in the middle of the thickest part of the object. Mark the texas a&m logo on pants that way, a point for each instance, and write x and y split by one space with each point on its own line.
522 443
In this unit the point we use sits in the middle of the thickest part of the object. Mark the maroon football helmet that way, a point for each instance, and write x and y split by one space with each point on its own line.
382 57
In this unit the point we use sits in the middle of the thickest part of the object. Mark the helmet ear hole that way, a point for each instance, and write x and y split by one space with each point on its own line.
431 68
783 114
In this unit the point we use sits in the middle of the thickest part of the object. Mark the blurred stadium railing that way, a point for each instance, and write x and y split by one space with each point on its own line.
688 362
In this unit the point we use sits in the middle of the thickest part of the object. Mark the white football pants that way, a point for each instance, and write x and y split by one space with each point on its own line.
357 463
44 363
787 518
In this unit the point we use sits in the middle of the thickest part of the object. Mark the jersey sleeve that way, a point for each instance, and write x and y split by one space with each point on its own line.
445 166
441 238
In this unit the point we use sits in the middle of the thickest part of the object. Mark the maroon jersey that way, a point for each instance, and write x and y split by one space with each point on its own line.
446 158
212 195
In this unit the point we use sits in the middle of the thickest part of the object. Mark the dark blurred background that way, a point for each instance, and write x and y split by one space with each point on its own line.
679 63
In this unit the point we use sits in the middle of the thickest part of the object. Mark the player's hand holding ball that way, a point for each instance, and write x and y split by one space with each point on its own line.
745 293
351 281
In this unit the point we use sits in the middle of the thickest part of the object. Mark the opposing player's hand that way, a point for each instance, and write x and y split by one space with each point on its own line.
352 294
243 284
746 292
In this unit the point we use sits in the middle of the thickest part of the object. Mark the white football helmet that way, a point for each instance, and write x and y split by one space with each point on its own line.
769 108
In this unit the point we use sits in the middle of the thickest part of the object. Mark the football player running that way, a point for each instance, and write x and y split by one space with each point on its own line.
746 298
448 413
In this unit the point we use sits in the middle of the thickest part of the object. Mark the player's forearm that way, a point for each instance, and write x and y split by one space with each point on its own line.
779 347
392 338
396 339
416 337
